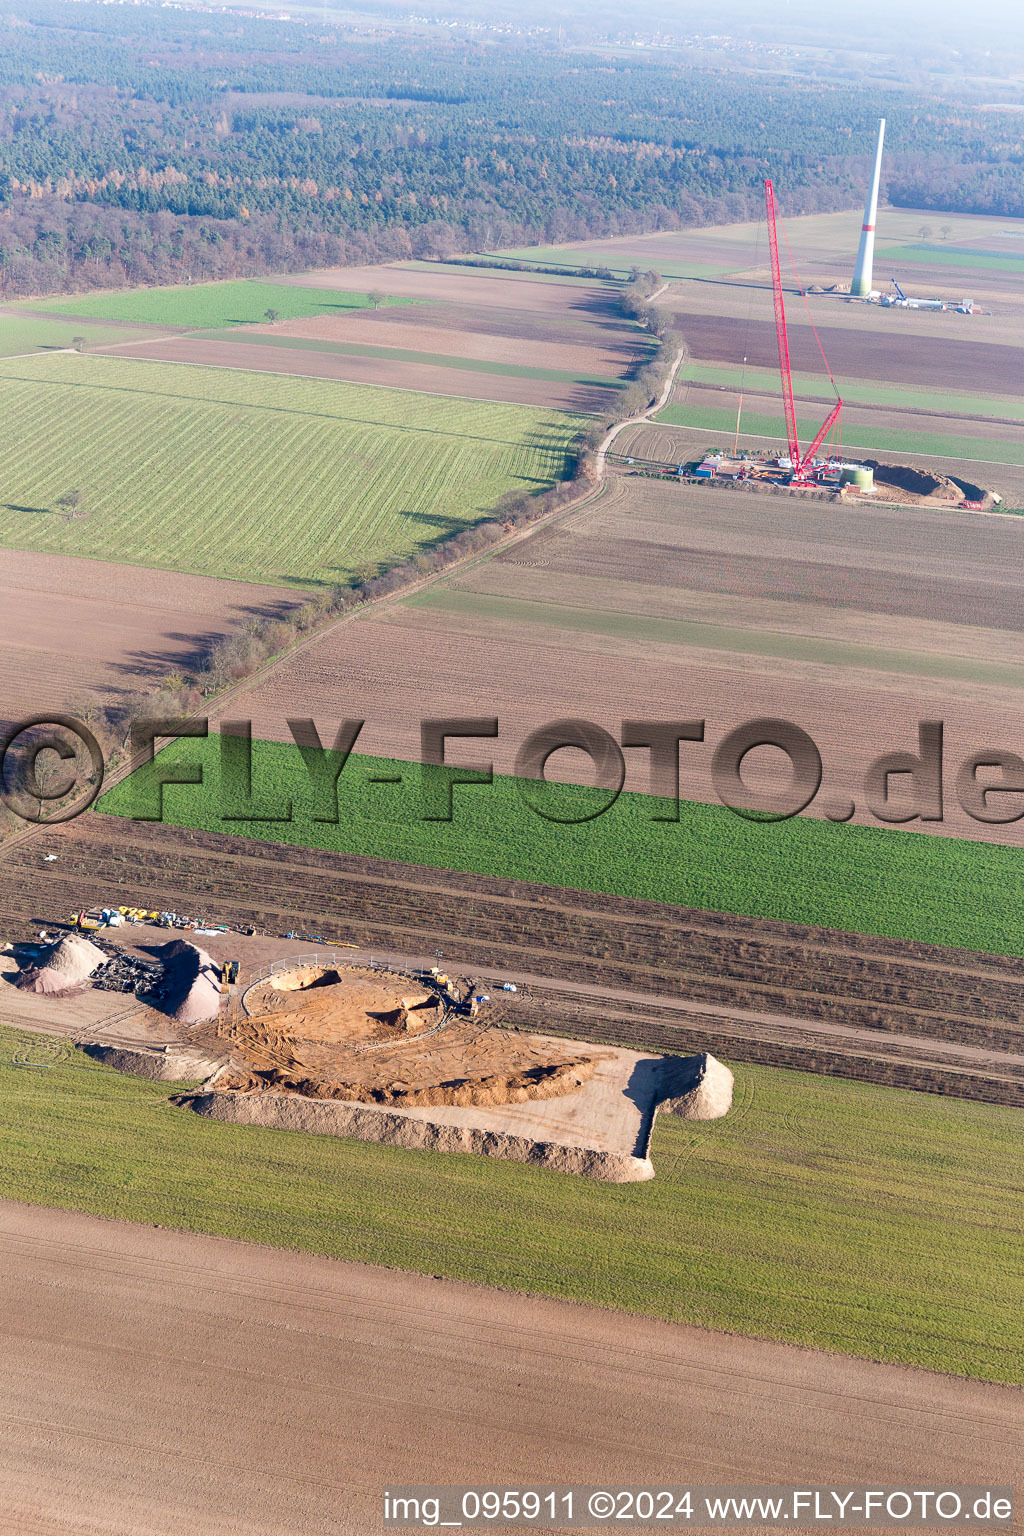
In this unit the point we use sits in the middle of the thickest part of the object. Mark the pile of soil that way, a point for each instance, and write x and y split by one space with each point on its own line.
341 1006
191 982
65 969
360 1036
542 1082
917 481
706 1089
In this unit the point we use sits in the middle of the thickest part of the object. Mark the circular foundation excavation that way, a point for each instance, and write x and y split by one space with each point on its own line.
351 1033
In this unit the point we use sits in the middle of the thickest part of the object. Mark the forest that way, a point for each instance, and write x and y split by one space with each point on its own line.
147 144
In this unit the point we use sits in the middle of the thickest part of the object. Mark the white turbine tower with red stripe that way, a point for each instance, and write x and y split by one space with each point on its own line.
861 285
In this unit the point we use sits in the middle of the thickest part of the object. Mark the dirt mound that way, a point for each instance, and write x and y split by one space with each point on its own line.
340 1006
289 1112
164 1064
917 481
706 1090
65 969
972 492
192 983
301 979
541 1082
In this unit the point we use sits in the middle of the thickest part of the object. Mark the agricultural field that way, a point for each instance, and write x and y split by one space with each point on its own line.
20 334
661 601
951 402
632 974
669 442
71 628
886 346
420 373
939 438
437 281
237 474
500 337
818 240
935 890
959 256
202 305
619 257
909 1199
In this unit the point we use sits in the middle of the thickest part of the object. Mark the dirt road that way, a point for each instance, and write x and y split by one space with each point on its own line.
158 1382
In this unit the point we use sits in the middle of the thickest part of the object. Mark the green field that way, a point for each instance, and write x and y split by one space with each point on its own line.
957 256
978 450
905 885
20 334
826 1213
403 355
255 476
857 391
206 304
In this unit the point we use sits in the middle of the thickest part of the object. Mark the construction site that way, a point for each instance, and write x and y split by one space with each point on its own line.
320 1043
836 479
821 468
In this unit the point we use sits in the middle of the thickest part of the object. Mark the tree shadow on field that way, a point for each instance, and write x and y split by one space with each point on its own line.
10 506
435 520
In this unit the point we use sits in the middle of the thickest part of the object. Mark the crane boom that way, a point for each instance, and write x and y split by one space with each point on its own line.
780 330
825 429
800 464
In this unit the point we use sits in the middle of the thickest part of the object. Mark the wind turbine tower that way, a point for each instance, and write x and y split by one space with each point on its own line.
861 285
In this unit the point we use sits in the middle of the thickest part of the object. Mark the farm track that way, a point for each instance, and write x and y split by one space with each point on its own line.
905 995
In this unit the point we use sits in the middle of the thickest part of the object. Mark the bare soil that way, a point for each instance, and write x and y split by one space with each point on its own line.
391 328
428 378
922 361
255 1341
954 571
910 594
357 1036
465 285
69 626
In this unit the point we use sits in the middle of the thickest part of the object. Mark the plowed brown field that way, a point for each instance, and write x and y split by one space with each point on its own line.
429 378
467 285
925 361
854 626
594 354
69 626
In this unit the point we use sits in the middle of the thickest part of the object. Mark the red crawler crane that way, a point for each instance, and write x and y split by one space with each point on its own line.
800 464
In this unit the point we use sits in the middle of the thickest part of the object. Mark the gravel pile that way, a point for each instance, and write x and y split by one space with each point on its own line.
66 968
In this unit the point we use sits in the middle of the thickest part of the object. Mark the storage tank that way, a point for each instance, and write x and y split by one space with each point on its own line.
857 475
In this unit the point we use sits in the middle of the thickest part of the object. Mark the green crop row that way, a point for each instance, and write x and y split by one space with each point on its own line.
206 304
27 333
856 391
254 476
978 450
957 256
883 881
